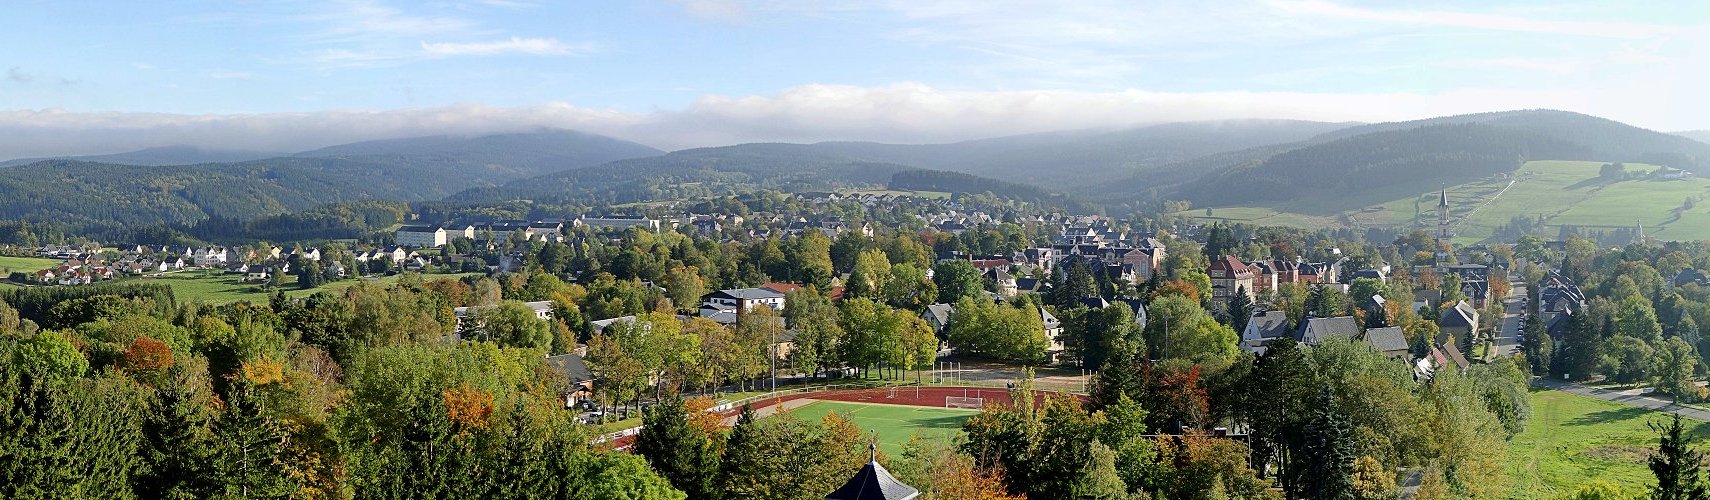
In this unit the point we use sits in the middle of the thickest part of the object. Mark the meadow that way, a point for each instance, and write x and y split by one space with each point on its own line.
1572 440
895 424
9 265
1560 192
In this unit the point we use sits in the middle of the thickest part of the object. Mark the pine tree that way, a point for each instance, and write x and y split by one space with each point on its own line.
176 446
248 461
1240 309
1119 376
679 451
743 455
1328 452
1676 464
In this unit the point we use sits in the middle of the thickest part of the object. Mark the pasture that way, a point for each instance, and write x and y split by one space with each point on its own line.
1573 439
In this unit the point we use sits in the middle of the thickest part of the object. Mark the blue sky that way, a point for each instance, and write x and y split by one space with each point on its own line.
106 76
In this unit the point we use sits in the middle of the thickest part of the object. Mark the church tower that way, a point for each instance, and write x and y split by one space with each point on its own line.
1639 232
1442 228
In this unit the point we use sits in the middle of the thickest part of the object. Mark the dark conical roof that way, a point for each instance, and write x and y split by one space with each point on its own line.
1443 198
874 483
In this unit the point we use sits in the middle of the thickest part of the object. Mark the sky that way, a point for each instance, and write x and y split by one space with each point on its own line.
109 76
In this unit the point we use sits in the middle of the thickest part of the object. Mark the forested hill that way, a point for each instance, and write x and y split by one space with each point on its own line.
93 196
1344 169
164 155
957 182
1060 160
499 157
1696 135
1340 174
789 167
1606 139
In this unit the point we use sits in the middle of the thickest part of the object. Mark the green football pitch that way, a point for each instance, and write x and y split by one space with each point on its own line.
894 423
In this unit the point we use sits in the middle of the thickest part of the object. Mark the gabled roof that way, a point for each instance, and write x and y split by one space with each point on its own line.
1454 354
1462 314
1386 339
1315 330
1266 325
1048 320
572 366
747 294
873 482
941 312
418 229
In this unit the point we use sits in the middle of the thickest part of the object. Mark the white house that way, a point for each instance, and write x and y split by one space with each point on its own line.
420 236
747 298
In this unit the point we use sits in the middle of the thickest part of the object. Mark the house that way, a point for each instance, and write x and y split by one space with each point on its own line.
617 222
747 298
257 272
1264 327
1459 321
1229 276
1315 330
420 236
938 316
1691 276
1053 335
597 326
1391 341
210 256
1006 284
575 369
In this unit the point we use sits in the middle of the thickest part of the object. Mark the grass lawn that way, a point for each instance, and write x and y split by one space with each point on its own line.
9 265
1574 439
894 423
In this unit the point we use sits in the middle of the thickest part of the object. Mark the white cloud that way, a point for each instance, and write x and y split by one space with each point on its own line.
515 45
902 113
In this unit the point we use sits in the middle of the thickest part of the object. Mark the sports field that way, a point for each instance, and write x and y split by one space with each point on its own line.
894 423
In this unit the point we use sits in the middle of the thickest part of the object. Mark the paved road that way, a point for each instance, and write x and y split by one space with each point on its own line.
1636 400
1507 340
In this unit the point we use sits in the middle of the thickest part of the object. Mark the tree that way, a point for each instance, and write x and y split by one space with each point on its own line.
1328 452
1371 480
1098 478
682 453
956 279
250 459
870 277
683 284
309 275
1627 359
819 336
511 323
982 328
1538 346
909 288
1675 365
1582 348
1282 378
1240 309
1678 467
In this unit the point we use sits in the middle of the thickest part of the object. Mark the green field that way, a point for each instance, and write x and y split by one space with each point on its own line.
1562 192
894 423
9 265
1574 439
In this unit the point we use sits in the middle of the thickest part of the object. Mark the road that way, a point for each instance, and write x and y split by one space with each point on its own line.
1635 400
1507 337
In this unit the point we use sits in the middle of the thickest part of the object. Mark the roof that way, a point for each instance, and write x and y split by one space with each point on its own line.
781 287
572 366
1315 330
1454 354
418 229
1462 314
748 294
1267 325
600 325
873 482
940 312
1386 339
1050 322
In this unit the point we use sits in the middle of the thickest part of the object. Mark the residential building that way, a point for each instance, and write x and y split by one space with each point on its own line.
420 236
747 298
1229 276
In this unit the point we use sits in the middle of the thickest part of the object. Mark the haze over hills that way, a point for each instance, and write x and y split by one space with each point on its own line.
1696 135
1349 168
156 156
1305 167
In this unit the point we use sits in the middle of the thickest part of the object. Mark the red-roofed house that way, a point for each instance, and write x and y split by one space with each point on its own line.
1229 275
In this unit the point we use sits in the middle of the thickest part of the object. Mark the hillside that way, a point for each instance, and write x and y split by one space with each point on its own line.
499 157
1352 172
1060 160
1545 194
164 155
790 167
94 195
1606 139
1696 135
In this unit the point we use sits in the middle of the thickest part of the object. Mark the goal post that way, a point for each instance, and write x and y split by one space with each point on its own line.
964 402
